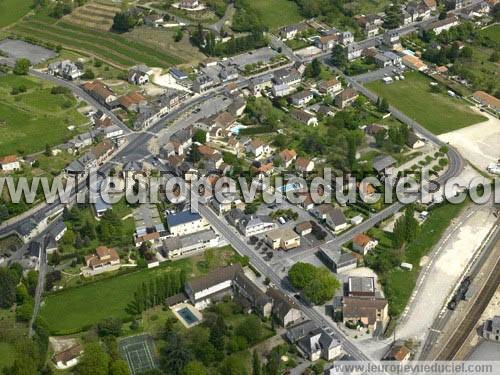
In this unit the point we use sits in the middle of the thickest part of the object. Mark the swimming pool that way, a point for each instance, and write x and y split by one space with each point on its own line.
290 187
236 129
188 316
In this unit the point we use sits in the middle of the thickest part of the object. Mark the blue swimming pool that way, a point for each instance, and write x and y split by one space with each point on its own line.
290 187
236 129
188 316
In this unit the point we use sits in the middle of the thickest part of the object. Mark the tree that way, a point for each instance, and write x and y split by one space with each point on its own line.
8 288
200 136
110 327
467 52
256 365
339 56
88 74
22 366
322 287
313 70
250 328
301 274
22 67
94 361
123 22
392 18
21 294
175 354
194 368
217 333
178 35
119 367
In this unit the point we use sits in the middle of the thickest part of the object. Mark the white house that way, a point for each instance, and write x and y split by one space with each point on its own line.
68 358
186 222
9 163
362 244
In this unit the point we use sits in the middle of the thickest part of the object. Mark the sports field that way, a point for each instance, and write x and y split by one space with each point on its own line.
108 46
437 112
12 10
30 120
139 353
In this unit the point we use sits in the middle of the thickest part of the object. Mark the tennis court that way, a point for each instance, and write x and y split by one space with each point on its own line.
139 352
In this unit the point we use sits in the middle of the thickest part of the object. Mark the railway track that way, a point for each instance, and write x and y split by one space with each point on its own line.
451 348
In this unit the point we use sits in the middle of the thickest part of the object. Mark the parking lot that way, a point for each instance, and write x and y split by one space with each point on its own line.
19 49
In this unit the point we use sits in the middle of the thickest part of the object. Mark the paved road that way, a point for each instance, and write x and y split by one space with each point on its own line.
42 271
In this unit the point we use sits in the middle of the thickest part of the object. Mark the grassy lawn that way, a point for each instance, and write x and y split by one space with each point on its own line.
76 309
399 284
277 13
439 112
30 120
366 6
12 10
492 32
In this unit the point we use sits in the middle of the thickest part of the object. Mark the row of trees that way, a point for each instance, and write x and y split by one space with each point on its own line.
156 291
317 283
18 289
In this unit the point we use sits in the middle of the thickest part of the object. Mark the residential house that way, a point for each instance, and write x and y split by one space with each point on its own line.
139 74
491 329
301 98
100 92
68 357
413 62
391 38
132 101
303 228
383 164
9 163
291 31
288 157
346 38
282 238
305 117
362 243
354 51
290 77
230 280
413 141
186 222
431 4
346 98
374 129
153 20
336 260
228 73
441 25
398 352
250 225
260 83
104 260
371 312
187 245
65 69
189 4
487 100
334 217
211 157
285 310
304 165
326 42
330 87
261 170
58 230
314 342
257 148
280 90
237 107
203 83
360 286
418 11
406 18
387 59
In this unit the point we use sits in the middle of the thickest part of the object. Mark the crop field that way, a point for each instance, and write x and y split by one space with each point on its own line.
110 47
30 120
437 112
95 15
13 10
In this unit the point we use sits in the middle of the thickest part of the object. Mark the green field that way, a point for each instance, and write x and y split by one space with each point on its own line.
492 32
110 47
7 355
76 309
437 112
30 120
12 10
277 13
